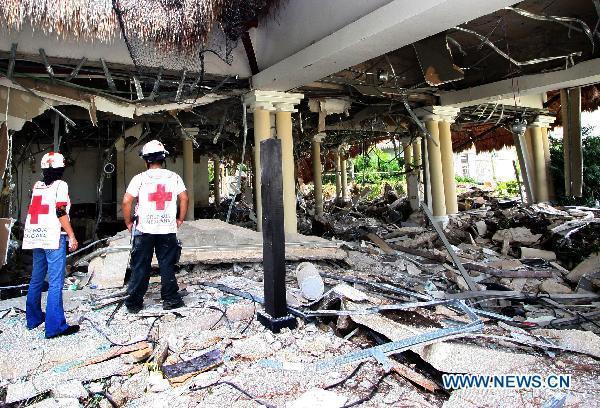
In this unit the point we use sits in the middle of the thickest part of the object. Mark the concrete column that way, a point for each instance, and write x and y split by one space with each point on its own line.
546 142
344 166
447 157
202 184
436 177
262 131
283 121
539 164
120 174
217 180
529 157
408 160
317 173
338 176
416 148
188 175
540 153
412 181
574 149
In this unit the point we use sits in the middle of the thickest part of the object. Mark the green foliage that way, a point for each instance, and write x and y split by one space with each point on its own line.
507 188
591 171
376 167
465 179
374 171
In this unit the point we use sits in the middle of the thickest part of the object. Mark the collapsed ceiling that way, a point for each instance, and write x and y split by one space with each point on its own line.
532 37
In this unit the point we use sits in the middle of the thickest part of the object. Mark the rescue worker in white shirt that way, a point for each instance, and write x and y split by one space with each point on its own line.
47 228
157 190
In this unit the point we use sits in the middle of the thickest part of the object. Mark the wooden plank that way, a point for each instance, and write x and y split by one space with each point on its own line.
179 372
381 243
273 231
415 377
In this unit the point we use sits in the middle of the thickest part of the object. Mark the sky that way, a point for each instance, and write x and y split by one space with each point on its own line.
587 119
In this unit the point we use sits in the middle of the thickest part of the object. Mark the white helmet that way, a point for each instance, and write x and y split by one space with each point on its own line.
154 151
53 160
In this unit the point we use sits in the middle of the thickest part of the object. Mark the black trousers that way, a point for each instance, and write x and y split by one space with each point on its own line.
167 252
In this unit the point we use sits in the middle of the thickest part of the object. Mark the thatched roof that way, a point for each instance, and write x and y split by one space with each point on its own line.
485 137
590 101
180 24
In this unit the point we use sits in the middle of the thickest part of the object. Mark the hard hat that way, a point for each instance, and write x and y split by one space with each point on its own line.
154 151
53 160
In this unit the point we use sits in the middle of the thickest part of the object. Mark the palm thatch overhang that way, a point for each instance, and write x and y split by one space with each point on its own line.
487 126
183 25
590 101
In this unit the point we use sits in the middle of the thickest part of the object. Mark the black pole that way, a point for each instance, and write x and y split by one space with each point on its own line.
276 316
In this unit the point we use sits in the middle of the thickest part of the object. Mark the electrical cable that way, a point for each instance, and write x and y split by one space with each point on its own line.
114 343
234 386
344 380
371 393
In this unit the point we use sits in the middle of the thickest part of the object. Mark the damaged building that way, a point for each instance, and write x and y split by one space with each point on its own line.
302 286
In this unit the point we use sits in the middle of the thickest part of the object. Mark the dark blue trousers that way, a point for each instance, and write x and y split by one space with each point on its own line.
167 250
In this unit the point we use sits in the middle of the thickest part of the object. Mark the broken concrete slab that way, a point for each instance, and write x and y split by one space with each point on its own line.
576 340
519 235
318 397
591 264
471 359
552 286
211 241
45 381
57 403
531 253
69 389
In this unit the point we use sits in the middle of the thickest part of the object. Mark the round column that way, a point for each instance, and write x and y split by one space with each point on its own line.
283 121
188 176
447 157
436 178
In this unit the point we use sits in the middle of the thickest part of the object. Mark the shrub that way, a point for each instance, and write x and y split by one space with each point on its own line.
591 170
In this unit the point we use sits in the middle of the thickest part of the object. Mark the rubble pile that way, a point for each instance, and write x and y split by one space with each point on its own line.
499 290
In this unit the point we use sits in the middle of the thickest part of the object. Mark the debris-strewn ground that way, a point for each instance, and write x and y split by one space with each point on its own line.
398 298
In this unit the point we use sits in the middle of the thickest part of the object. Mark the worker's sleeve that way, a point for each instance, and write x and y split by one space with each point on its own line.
179 185
134 186
63 200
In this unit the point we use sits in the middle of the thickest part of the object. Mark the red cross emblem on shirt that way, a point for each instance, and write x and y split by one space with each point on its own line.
160 196
36 208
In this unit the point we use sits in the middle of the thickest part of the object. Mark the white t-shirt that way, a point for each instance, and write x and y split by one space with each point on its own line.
156 191
42 227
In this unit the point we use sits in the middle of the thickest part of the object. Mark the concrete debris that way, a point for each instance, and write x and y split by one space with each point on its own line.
519 235
317 397
310 281
551 286
69 389
374 322
531 253
591 264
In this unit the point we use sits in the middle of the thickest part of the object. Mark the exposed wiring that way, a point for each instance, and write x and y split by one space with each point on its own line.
114 343
234 386
512 60
566 21
371 394
343 380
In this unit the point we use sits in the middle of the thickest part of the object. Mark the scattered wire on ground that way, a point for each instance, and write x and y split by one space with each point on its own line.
343 381
114 343
236 387
371 393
